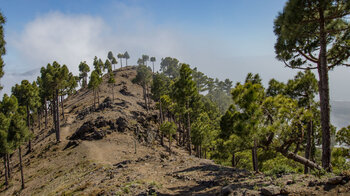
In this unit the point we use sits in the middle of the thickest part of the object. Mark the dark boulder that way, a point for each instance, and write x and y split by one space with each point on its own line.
88 132
124 91
123 124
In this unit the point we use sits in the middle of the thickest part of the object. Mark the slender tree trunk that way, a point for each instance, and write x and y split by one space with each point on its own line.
200 151
53 108
98 96
169 144
8 165
183 133
45 105
148 97
126 62
57 118
233 161
299 159
62 106
308 145
21 166
113 93
324 96
28 124
161 112
94 91
135 146
145 97
6 172
255 157
313 146
121 62
178 133
39 116
153 67
189 129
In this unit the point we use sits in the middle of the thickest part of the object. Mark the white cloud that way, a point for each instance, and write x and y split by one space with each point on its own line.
71 38
67 39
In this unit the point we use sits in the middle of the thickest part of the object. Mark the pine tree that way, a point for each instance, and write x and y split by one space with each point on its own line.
143 78
18 134
111 58
54 78
303 89
145 58
28 97
200 79
111 80
107 66
153 59
315 33
8 108
95 81
98 66
168 128
120 56
84 70
126 56
170 67
185 90
247 100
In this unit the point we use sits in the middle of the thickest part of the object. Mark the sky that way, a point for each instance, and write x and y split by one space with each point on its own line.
223 38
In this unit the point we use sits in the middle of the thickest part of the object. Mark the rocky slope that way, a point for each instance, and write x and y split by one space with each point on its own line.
114 150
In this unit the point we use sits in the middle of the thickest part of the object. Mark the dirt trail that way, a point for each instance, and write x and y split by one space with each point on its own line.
65 129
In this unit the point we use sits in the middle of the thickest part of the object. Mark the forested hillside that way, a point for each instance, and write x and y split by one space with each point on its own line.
135 130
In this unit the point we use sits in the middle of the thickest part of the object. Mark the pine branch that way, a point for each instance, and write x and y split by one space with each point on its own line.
301 68
307 57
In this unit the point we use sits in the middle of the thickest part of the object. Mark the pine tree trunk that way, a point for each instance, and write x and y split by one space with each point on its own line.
62 106
126 62
169 144
135 146
308 145
161 112
28 124
324 96
98 97
94 98
145 97
8 166
189 129
153 67
183 134
53 109
45 105
121 62
298 159
233 161
179 133
21 166
57 118
112 93
6 172
39 116
255 157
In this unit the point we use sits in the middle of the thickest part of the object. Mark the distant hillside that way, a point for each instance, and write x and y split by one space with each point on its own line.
340 113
